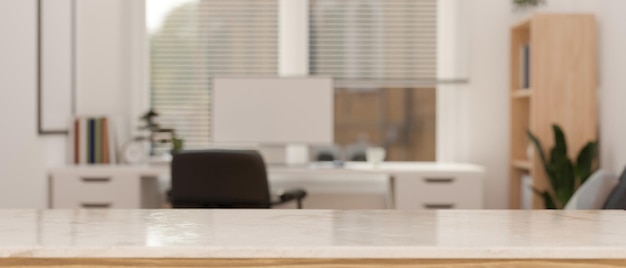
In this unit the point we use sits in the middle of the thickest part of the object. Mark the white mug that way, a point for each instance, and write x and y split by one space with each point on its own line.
375 155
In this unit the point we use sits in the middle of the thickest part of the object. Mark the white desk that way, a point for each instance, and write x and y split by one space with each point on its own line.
401 185
312 238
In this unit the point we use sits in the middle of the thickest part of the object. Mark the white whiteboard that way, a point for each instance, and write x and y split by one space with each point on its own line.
272 110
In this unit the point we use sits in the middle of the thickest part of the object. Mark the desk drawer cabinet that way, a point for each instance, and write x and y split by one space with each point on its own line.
73 189
438 191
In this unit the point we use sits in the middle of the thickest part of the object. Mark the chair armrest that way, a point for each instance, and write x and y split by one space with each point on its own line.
293 194
290 195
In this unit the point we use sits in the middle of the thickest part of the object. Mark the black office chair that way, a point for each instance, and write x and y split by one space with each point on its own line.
224 179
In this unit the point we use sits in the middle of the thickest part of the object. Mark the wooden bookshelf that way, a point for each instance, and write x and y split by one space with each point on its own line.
563 78
522 93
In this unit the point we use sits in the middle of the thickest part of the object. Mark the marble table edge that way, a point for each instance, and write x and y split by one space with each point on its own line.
319 253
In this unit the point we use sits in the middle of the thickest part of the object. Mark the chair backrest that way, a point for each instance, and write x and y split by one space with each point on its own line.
219 179
593 193
617 198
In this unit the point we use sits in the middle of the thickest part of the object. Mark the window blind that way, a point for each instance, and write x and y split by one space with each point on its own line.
201 39
374 43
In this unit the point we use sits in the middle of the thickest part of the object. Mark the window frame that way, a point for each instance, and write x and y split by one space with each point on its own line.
452 100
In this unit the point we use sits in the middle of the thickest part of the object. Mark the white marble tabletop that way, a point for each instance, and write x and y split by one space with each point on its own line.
312 234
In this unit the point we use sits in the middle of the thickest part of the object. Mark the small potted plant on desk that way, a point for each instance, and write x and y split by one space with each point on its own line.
177 143
160 135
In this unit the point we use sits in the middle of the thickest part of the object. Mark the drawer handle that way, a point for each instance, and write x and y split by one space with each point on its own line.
96 179
439 180
95 205
439 206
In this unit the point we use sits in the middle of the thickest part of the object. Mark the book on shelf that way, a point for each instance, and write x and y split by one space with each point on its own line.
524 75
91 140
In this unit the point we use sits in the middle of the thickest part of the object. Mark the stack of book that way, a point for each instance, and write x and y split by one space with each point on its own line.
92 141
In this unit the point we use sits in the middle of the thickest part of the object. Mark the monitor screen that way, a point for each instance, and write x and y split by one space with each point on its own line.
272 110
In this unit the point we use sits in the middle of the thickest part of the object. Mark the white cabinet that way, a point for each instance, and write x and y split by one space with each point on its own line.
103 187
400 185
431 185
443 190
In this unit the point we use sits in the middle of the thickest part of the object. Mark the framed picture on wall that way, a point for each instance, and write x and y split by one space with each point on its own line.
56 53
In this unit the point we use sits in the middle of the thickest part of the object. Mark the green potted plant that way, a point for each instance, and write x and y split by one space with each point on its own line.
151 126
565 175
177 143
159 134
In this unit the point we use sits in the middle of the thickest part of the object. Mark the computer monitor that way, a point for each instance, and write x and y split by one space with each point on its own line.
272 111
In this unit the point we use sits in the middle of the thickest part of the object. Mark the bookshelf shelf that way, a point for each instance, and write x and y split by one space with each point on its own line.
522 93
562 81
522 164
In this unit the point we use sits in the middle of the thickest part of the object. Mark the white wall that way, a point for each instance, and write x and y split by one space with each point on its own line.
612 96
452 64
487 95
21 155
104 61
103 87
